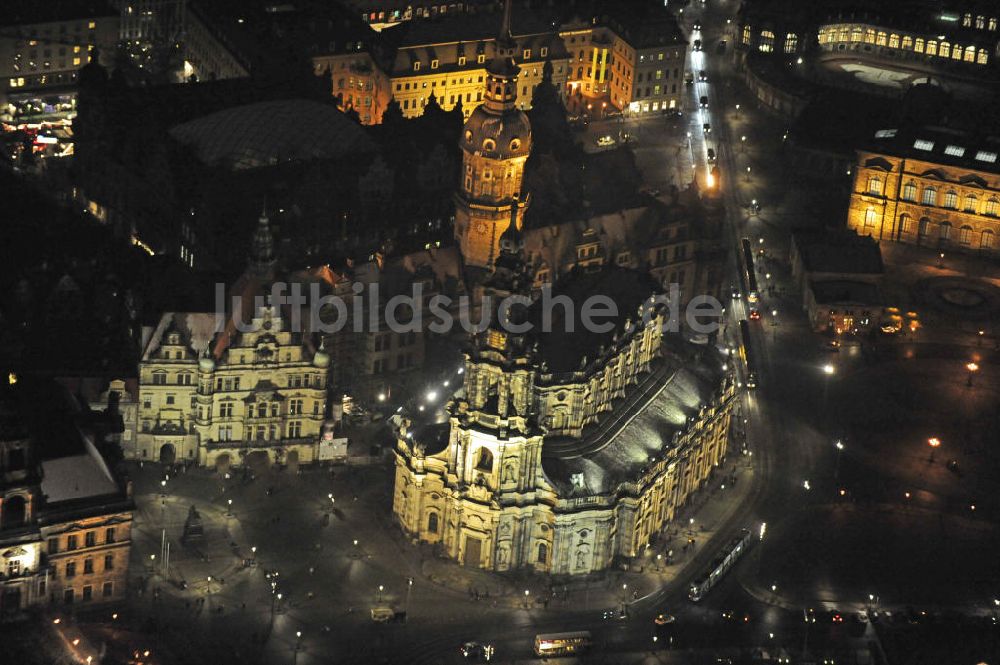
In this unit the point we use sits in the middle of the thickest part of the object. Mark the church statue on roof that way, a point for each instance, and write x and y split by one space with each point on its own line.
495 142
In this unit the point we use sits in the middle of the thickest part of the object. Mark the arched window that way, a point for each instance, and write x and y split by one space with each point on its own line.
856 35
881 39
875 185
484 460
930 196
970 54
956 52
543 553
991 207
945 50
945 232
870 217
982 57
823 36
766 41
905 223
489 145
925 227
909 192
746 34
262 410
965 235
869 36
844 34
987 239
971 202
893 40
432 523
918 45
791 42
907 42
931 47
951 199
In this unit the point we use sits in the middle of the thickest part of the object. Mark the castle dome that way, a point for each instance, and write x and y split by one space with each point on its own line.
494 135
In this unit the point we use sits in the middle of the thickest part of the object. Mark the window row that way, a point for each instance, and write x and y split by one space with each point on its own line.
929 196
72 541
88 566
940 48
87 593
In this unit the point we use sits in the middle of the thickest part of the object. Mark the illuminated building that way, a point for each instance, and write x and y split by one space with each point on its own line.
243 392
65 517
495 142
929 187
521 471
42 48
884 48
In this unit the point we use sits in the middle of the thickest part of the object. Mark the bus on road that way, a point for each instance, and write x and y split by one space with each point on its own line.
746 354
719 566
562 644
748 274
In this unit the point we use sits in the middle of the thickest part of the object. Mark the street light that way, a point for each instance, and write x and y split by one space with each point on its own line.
934 443
828 371
973 368
526 594
840 449
743 143
737 111
748 174
380 589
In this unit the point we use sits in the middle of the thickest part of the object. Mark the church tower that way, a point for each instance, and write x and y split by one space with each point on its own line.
496 142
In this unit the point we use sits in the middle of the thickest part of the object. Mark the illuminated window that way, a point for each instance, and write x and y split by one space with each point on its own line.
986 242
986 156
930 196
823 36
980 22
856 34
544 51
991 207
746 34
907 42
894 41
945 230
970 54
881 39
461 61
766 41
416 66
76 62
906 223
481 58
982 57
844 34
92 25
923 144
875 186
870 217
791 42
909 192
945 50
918 45
870 36
527 54
931 47
954 150
966 20
434 64
951 199
965 235
971 202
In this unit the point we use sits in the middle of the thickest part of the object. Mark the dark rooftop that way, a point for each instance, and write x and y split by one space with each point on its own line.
569 342
838 251
23 12
829 292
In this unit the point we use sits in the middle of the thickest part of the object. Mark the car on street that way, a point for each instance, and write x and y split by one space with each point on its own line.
697 45
688 78
711 155
832 345
754 315
605 141
697 25
703 101
477 651
615 614
734 292
674 113
703 75
707 127
664 619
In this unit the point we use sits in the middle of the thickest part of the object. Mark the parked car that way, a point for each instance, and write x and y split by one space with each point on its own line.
664 619
605 141
383 614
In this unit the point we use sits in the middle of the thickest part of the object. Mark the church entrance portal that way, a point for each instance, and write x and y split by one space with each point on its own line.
473 552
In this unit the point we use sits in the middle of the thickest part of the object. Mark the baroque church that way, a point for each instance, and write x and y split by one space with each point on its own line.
524 468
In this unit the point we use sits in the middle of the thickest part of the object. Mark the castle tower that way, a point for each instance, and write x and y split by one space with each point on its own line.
495 142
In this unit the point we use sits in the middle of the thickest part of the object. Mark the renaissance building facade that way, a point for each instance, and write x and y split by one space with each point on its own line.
248 389
928 187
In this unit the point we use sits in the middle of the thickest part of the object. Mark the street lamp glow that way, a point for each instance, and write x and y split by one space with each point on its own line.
381 397
432 395
840 446
828 369
934 442
972 367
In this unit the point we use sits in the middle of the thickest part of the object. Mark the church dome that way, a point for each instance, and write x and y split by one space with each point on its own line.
494 135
